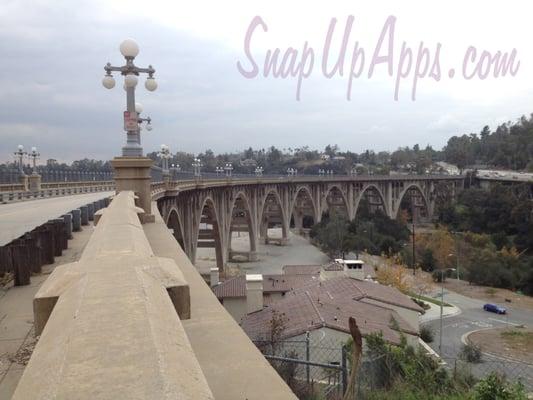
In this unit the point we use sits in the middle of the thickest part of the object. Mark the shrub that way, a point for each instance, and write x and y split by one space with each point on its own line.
495 387
427 334
470 353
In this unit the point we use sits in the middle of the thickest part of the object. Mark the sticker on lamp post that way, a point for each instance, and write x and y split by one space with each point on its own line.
130 121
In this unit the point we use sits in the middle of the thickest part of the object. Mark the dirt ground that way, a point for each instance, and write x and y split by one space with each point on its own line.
516 343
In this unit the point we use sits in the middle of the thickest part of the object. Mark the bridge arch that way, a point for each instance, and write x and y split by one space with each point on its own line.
416 188
241 220
303 194
208 232
173 222
376 192
328 202
272 211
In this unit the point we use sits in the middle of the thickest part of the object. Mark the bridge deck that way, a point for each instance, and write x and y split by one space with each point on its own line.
19 218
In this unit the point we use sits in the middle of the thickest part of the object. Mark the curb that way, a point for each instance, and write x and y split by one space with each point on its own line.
464 340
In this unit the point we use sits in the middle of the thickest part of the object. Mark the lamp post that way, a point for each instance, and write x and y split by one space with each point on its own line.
197 165
258 171
148 120
219 170
442 271
34 155
165 155
19 154
130 71
228 168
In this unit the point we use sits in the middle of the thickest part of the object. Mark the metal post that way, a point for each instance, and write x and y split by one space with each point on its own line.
344 366
307 358
441 305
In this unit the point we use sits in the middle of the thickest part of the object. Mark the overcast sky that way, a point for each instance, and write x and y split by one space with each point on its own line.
53 54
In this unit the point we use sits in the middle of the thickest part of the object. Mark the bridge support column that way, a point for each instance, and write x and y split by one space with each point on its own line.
133 173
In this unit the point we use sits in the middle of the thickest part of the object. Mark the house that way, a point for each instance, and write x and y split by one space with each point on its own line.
324 308
247 293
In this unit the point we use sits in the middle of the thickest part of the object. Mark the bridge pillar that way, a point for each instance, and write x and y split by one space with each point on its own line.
23 179
34 183
133 173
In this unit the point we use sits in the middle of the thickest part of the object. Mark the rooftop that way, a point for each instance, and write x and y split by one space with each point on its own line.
236 287
321 305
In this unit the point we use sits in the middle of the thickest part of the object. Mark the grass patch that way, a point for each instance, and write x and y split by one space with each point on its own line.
429 300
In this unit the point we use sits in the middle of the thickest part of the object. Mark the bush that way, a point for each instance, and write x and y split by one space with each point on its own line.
427 334
470 353
495 387
438 276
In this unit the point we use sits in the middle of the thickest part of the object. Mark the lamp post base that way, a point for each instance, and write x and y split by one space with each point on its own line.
34 182
133 173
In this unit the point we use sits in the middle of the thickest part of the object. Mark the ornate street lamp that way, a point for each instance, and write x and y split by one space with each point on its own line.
19 154
197 166
130 71
34 155
228 168
165 155
258 171
219 170
148 120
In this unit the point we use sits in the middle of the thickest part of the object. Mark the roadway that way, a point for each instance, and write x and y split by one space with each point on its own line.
472 318
21 217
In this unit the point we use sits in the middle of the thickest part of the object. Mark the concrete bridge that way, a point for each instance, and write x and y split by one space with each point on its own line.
134 319
204 213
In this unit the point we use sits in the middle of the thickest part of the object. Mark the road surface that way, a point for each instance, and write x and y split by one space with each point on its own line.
19 218
471 318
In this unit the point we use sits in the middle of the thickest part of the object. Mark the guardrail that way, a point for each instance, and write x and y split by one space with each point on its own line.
53 190
111 321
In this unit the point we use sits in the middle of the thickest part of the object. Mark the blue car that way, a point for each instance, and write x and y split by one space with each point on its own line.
494 308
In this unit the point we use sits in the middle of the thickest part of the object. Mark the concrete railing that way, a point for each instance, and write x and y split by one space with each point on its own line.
110 323
53 190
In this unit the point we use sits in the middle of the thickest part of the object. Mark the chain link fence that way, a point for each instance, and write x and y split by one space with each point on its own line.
322 370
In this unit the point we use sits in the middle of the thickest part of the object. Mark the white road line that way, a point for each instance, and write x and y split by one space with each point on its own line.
505 322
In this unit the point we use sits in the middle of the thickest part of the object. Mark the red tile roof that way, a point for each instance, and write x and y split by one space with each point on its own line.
308 309
301 269
236 287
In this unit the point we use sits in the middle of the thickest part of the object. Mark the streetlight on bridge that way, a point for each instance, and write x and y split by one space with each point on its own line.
228 168
34 155
197 165
130 71
219 170
258 171
165 155
19 154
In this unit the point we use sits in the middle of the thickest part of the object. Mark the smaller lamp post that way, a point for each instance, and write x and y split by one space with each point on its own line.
197 166
258 171
19 154
34 155
165 155
219 170
228 168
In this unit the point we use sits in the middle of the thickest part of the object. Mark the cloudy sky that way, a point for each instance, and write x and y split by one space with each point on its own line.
53 54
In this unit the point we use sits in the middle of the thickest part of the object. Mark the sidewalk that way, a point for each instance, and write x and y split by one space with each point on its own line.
434 312
16 317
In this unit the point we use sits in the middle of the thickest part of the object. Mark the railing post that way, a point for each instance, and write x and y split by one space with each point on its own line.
344 372
307 358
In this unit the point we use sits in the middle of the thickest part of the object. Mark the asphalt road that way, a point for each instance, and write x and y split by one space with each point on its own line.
471 318
19 218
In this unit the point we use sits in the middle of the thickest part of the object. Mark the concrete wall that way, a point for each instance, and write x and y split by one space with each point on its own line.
111 325
232 364
236 306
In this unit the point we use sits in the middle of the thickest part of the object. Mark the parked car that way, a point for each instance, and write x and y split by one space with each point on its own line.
494 308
